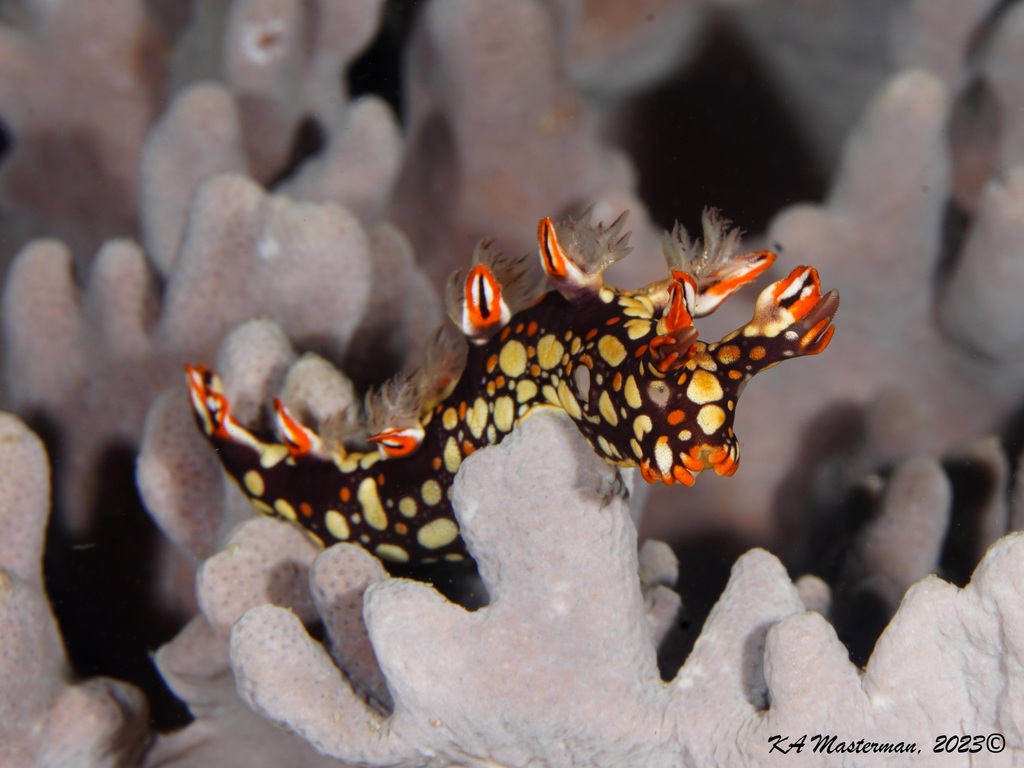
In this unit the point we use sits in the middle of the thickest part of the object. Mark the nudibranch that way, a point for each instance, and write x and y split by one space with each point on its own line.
625 365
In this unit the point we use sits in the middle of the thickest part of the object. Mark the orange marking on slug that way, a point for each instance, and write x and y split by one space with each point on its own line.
483 298
345 494
492 363
612 320
692 463
397 442
531 329
534 370
506 333
641 351
305 509
436 463
550 251
677 317
591 334
676 417
684 477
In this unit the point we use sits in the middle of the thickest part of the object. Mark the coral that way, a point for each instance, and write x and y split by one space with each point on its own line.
79 115
44 718
567 601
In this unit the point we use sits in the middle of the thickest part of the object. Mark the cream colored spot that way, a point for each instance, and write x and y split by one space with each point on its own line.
431 492
606 294
637 450
450 419
704 388
663 455
568 401
369 500
336 524
577 345
609 450
637 329
642 425
685 435
254 483
549 352
407 506
284 509
525 390
550 395
710 418
272 455
437 533
512 358
476 417
504 413
604 404
632 393
392 552
367 460
452 455
611 350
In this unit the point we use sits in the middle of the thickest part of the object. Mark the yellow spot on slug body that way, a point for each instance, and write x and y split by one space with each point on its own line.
452 455
504 413
710 418
642 425
685 435
369 500
549 352
604 404
663 455
407 506
512 359
391 552
551 395
476 417
611 349
637 450
431 492
336 524
704 388
632 393
525 390
367 460
568 401
254 482
272 455
437 533
637 328
285 510
450 419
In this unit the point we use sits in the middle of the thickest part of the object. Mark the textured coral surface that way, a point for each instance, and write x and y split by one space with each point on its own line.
279 188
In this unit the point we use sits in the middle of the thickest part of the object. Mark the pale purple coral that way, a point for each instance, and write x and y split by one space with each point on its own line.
45 720
566 614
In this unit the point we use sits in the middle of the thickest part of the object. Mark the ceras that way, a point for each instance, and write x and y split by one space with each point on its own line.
625 365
